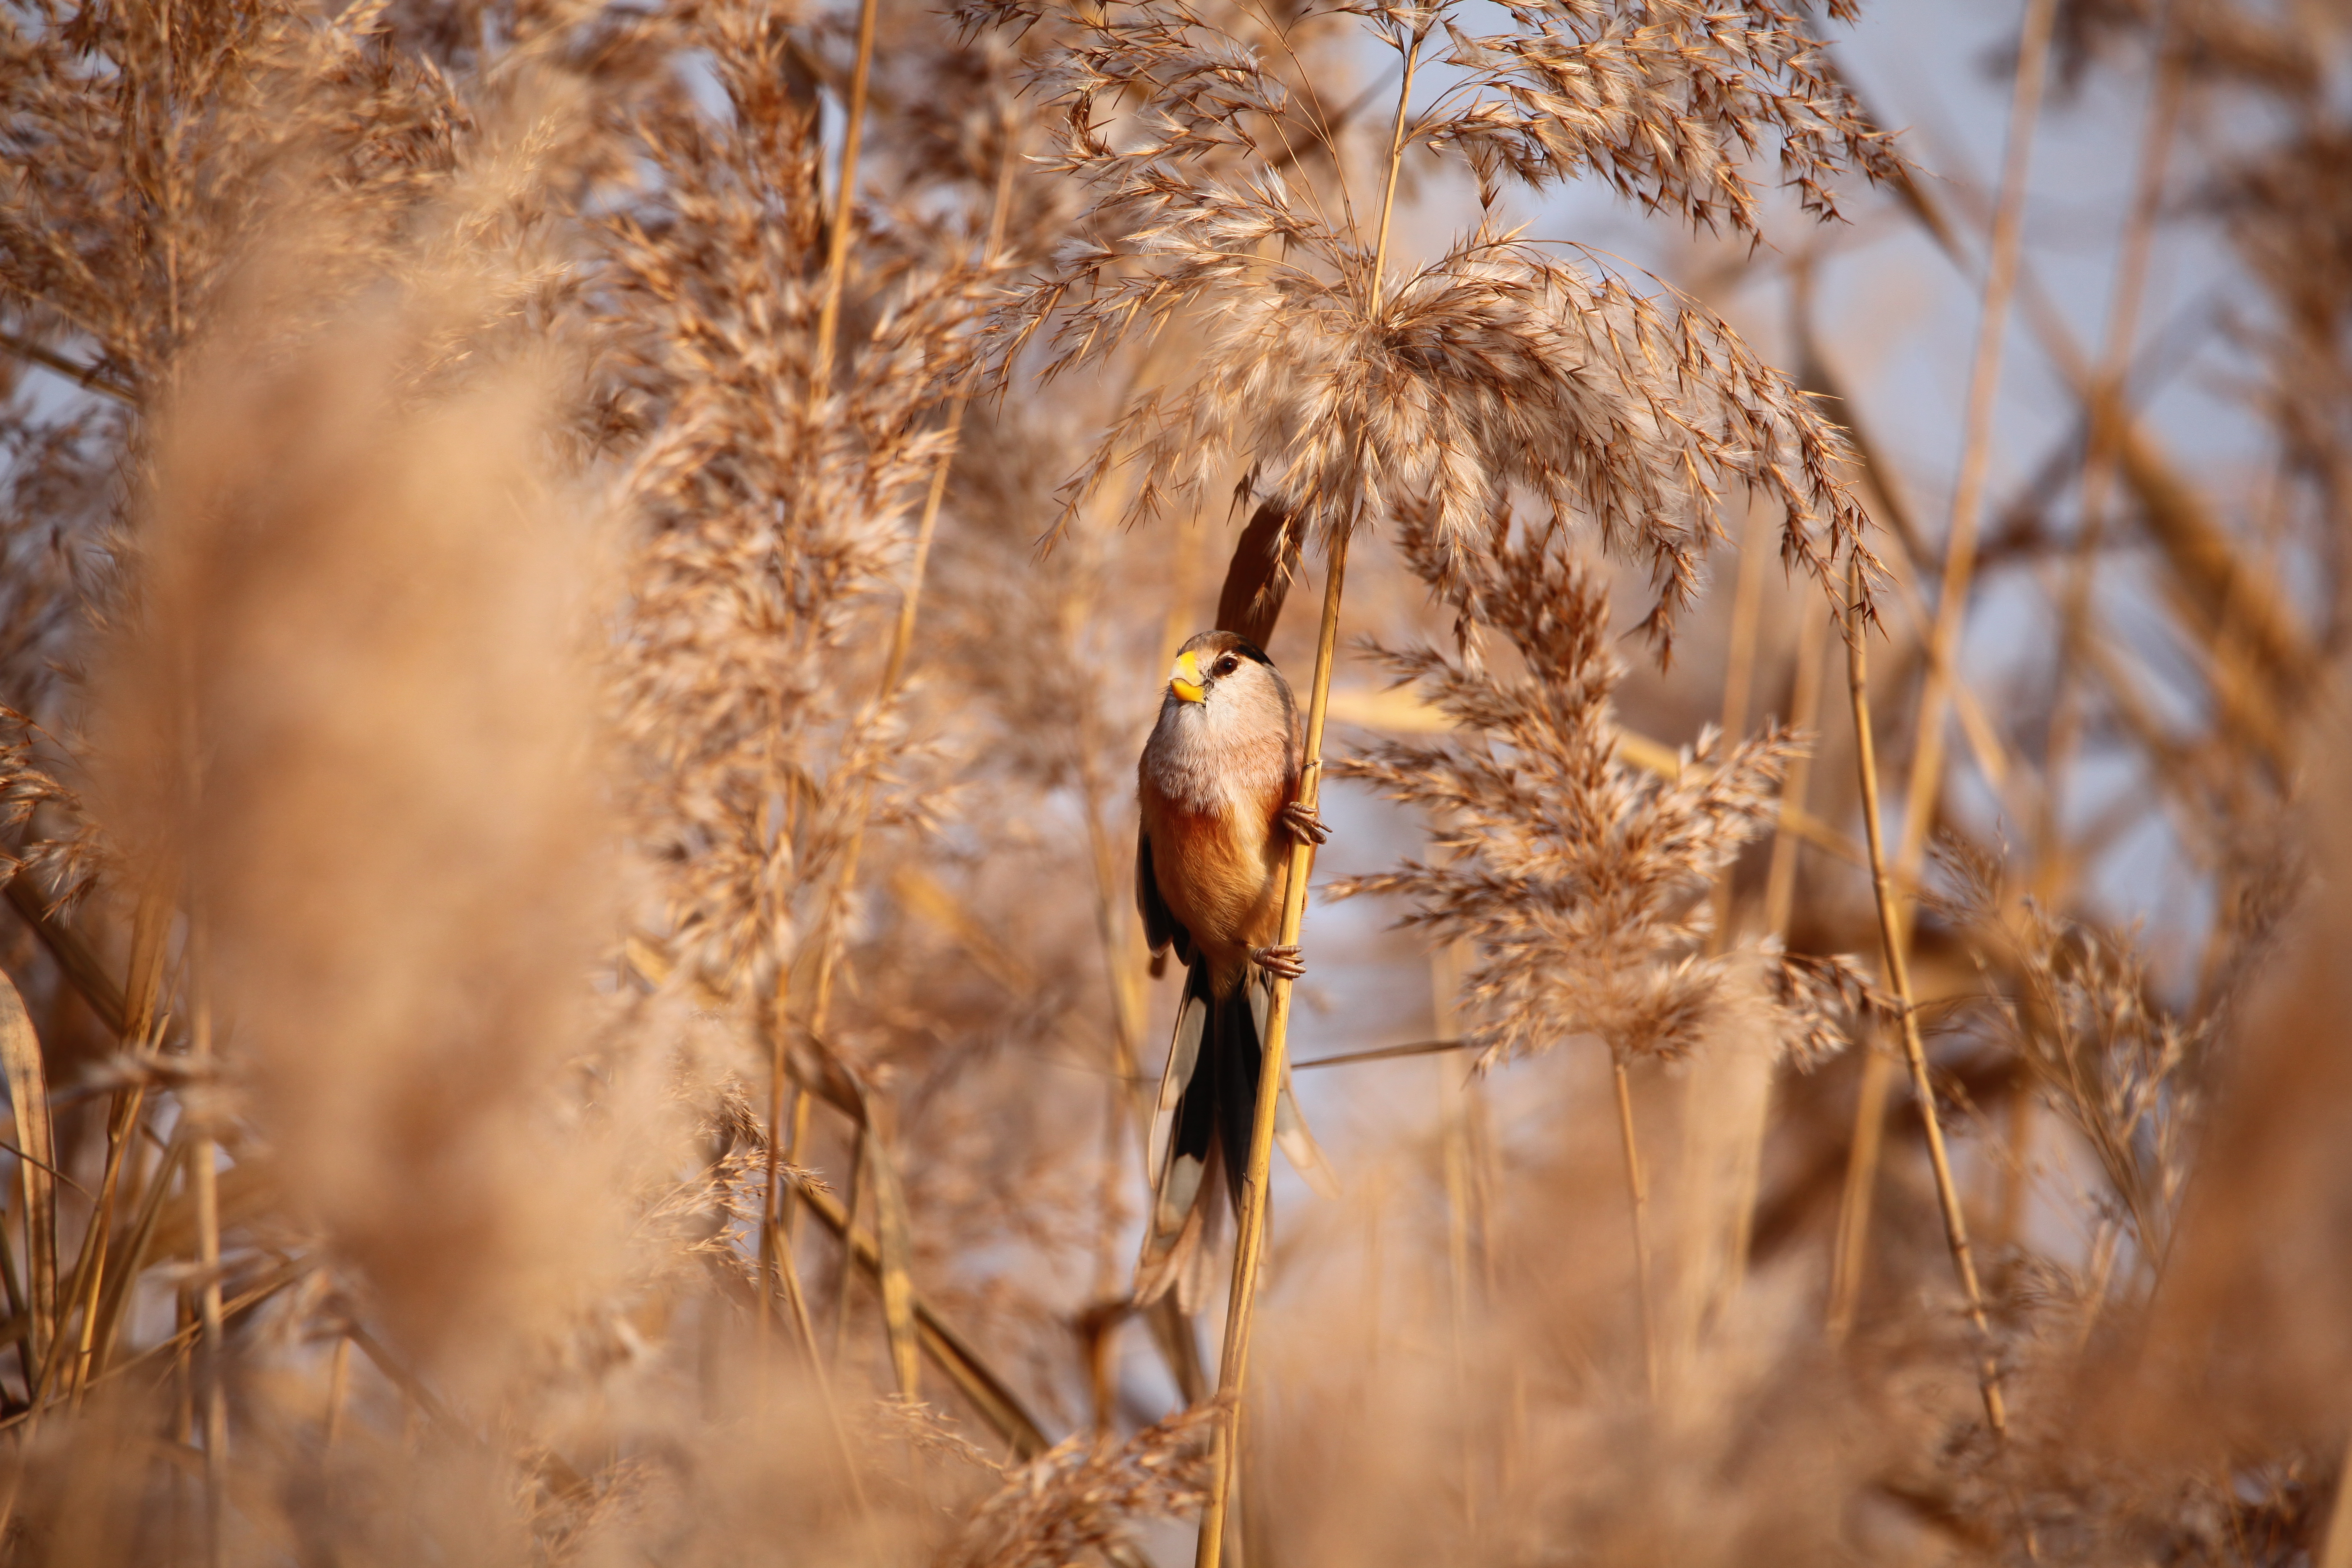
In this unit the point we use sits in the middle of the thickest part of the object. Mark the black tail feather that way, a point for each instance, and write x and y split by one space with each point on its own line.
1208 1111
1220 1101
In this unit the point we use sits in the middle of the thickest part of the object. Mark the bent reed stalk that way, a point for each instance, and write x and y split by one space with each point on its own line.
1925 788
1898 976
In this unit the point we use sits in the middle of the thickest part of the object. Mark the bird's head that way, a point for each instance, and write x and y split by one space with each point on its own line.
1215 665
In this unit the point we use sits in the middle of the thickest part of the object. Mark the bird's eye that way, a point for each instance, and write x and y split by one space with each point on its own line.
1226 664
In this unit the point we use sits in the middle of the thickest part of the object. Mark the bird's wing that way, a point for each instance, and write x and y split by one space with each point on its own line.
1160 926
1184 1055
1173 1231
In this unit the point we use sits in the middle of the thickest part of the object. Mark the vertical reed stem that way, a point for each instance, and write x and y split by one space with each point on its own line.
1926 783
1898 976
836 259
1638 1190
1233 1360
338 1382
774 1217
211 1360
775 1226
775 1237
1248 1247
1804 712
1461 1193
1396 161
2104 408
2336 1546
1738 681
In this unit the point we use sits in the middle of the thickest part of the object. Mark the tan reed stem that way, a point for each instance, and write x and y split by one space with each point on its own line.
204 1184
1781 895
2336 1547
774 1215
1389 186
1898 976
1454 1092
1249 1247
121 1134
1112 936
338 1382
1637 1189
1234 1359
1861 1183
2104 406
797 1302
1739 682
1804 712
836 259
1739 686
776 1218
860 1156
36 1172
142 990
902 633
1925 783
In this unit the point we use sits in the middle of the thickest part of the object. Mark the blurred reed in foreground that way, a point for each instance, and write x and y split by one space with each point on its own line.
574 649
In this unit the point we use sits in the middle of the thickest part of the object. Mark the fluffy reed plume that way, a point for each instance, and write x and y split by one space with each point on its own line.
2085 1020
352 676
1071 1505
768 501
570 991
1579 881
1494 365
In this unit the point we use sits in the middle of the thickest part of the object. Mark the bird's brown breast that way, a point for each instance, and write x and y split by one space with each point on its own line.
1217 873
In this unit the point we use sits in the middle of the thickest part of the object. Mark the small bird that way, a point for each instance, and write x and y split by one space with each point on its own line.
1218 786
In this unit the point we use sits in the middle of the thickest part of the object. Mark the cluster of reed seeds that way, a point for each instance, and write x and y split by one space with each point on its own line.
582 583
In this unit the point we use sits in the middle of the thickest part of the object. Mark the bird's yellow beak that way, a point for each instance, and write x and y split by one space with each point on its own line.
1185 681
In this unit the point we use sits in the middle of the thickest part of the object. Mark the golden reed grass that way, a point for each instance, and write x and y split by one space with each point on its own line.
580 583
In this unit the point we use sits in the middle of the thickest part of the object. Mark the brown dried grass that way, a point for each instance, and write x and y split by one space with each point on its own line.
471 720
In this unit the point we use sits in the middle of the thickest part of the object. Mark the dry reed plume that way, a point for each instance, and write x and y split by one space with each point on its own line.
579 585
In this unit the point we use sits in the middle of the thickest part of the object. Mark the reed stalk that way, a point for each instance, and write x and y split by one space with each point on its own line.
1637 1192
1454 1091
36 1174
1722 1278
1925 783
2336 1547
2103 408
1249 1245
338 1380
1898 976
836 259
1804 712
1738 681
796 1302
1780 901
142 992
212 1395
775 1219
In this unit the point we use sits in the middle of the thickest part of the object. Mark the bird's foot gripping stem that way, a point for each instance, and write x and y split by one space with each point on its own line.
1282 963
1300 819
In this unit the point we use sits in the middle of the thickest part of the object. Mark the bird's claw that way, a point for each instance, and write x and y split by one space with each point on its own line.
1282 963
1305 826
